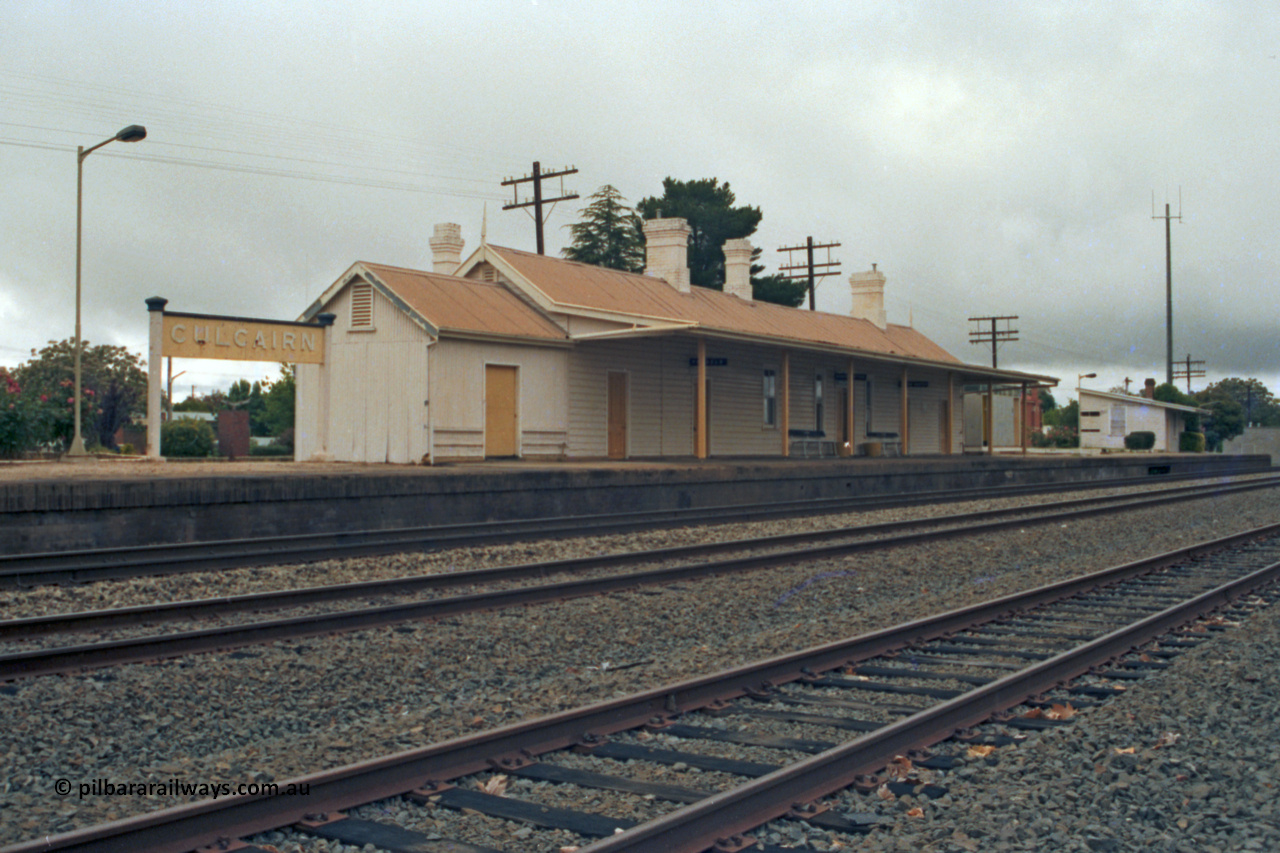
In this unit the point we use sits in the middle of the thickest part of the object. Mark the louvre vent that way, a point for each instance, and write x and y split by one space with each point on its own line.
362 306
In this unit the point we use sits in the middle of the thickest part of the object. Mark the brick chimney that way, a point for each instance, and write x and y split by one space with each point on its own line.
446 248
1150 390
666 253
868 296
737 268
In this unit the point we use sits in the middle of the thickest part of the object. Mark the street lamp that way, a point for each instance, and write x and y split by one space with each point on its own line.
132 133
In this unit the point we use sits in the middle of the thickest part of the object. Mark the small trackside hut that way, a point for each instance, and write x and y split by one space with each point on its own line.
514 354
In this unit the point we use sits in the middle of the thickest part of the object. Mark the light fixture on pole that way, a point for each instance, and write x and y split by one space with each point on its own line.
132 133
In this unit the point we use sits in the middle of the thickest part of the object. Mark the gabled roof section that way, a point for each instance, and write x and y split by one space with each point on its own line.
570 285
448 304
1144 401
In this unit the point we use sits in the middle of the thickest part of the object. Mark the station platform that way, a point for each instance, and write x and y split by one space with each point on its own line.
59 506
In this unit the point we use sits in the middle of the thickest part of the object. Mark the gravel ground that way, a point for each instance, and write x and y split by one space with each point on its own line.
280 710
101 595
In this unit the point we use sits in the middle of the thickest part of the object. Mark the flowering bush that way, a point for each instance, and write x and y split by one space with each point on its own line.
26 418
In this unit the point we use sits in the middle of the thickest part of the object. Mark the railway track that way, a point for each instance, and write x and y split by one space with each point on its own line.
81 566
858 712
676 564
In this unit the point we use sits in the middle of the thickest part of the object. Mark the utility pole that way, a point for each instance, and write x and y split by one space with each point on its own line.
811 270
1188 369
538 201
1168 280
995 335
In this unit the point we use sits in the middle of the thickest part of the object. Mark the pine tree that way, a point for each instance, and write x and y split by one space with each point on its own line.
608 235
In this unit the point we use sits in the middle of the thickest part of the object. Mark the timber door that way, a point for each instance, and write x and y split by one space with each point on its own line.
617 415
500 416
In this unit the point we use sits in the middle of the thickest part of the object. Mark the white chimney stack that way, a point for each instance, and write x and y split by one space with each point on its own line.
868 296
446 248
666 253
737 268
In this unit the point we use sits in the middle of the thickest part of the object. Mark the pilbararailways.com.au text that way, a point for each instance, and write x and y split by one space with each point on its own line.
179 788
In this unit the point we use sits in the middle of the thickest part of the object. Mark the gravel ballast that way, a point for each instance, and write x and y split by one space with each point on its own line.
276 711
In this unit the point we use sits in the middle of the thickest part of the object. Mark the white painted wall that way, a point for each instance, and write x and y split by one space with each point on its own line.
457 401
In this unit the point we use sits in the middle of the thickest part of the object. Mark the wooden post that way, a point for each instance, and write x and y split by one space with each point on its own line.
700 404
950 410
903 414
990 425
786 403
1022 419
853 429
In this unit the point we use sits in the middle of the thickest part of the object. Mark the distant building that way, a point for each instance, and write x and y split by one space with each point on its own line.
513 354
1106 418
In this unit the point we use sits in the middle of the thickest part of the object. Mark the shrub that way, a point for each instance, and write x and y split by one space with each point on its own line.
186 437
1142 440
285 440
1191 442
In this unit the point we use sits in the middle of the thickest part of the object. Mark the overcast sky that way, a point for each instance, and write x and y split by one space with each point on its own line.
991 158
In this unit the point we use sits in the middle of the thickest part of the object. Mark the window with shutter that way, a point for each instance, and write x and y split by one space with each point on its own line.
362 306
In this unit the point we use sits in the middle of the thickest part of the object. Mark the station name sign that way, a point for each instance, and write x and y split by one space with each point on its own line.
205 336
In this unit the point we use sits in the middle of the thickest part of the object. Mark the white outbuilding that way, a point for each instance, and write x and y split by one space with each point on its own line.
1107 417
513 354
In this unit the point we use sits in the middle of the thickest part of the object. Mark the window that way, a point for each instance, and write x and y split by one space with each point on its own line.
1117 420
819 409
362 306
770 398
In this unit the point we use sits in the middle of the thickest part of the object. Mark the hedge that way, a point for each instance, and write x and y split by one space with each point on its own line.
1142 440
1191 442
186 437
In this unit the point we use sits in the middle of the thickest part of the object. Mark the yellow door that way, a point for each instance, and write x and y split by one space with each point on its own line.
499 410
617 415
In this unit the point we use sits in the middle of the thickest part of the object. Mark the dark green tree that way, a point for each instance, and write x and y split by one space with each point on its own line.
708 207
113 381
777 289
278 402
1259 405
608 234
1047 403
1226 420
1167 392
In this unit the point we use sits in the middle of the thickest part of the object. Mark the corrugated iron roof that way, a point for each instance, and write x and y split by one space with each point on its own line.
454 304
572 284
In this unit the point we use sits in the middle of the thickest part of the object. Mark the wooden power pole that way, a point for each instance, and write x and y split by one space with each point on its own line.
538 201
1188 369
994 335
811 270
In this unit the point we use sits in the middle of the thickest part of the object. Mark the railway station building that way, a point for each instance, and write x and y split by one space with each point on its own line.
508 354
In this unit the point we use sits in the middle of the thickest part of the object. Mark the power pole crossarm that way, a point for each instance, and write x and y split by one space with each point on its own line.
537 202
809 270
995 335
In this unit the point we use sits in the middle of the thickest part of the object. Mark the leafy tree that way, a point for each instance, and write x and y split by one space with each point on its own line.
708 207
1064 416
1047 403
1227 420
278 402
113 381
1258 403
193 404
609 234
1167 392
777 289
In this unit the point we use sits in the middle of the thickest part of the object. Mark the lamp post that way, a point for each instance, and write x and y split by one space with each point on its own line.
132 133
1079 433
